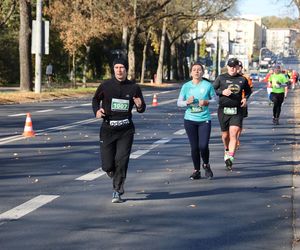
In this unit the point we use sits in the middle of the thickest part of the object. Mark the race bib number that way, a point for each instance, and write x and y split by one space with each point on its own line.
119 105
196 109
230 111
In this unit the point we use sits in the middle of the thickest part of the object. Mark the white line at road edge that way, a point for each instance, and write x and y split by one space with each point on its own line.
40 132
44 111
27 207
63 127
91 175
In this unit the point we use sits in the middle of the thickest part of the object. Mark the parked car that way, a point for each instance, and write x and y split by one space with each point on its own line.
254 77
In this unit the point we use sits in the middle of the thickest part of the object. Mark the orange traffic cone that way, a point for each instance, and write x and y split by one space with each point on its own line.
154 102
28 130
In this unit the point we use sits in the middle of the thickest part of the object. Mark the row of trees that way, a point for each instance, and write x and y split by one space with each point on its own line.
85 35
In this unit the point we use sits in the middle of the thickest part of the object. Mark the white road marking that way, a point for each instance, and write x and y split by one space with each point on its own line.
21 114
40 132
179 132
138 153
166 102
86 104
91 175
68 107
27 207
44 111
159 93
67 126
141 152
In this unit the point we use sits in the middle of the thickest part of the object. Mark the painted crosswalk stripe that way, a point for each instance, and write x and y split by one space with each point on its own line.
91 175
27 207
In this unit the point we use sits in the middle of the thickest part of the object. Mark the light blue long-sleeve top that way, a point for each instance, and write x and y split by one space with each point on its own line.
201 91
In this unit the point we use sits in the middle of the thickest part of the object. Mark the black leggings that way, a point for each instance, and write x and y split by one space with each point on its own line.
277 99
198 134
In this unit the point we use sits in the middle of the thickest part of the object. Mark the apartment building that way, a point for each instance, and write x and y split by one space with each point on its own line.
238 37
282 41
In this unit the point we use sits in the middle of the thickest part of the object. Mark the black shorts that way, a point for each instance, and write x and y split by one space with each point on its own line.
230 120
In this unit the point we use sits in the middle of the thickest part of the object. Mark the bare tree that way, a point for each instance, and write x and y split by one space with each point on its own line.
297 3
25 46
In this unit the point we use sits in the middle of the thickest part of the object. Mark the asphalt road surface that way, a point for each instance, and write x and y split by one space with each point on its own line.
53 194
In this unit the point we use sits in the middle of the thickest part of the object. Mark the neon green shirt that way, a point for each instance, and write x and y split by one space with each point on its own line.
278 82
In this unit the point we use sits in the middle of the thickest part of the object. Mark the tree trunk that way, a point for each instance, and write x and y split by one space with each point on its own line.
73 73
173 71
86 59
125 38
26 83
144 57
131 55
159 72
180 56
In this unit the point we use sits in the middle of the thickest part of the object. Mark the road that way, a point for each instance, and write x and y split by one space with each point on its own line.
54 196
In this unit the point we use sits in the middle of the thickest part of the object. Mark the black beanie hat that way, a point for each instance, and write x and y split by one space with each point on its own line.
121 61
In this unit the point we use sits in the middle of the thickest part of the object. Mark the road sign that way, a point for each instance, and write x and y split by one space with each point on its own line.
45 37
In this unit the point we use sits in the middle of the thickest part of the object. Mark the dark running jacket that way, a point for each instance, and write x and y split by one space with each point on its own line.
113 88
237 84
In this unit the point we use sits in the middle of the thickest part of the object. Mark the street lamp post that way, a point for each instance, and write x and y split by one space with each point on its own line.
38 52
218 57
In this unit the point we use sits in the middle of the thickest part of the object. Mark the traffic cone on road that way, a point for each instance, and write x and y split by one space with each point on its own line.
28 130
154 102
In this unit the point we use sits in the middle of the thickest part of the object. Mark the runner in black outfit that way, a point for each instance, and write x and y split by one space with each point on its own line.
113 101
229 88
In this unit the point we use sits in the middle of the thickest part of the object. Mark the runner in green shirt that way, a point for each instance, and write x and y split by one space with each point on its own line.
278 82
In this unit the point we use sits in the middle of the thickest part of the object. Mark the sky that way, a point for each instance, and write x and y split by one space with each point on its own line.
262 8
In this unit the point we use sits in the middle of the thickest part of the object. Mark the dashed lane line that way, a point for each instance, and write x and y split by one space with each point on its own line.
15 115
180 132
40 132
44 111
99 172
27 207
139 153
91 175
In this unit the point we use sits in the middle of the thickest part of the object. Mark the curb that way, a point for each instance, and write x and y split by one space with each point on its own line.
296 173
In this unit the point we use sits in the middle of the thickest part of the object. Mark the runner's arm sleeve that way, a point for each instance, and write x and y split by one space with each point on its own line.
181 102
248 90
140 95
97 99
217 85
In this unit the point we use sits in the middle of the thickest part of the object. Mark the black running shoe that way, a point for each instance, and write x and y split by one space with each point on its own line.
208 173
228 163
196 175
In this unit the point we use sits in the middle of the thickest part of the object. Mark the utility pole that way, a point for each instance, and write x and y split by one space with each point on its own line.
38 54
